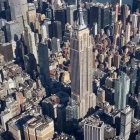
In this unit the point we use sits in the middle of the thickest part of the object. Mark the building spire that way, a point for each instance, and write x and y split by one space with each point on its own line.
80 18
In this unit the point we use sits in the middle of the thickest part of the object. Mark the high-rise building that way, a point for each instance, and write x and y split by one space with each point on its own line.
57 30
2 37
117 59
127 33
31 13
95 16
43 62
93 128
106 17
44 33
70 14
100 14
81 67
55 45
14 30
60 15
29 40
126 118
122 85
124 14
133 79
39 128
134 20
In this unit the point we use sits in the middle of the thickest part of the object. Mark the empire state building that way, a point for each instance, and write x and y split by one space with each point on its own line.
81 67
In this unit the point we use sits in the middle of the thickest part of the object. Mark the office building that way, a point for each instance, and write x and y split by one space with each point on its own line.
124 14
5 117
81 64
122 85
31 13
71 111
127 33
93 128
70 14
55 45
60 15
39 128
133 79
29 40
116 60
30 64
14 30
50 106
126 118
44 33
94 29
49 28
57 30
109 132
43 62
2 37
95 11
100 14
7 51
106 16
134 20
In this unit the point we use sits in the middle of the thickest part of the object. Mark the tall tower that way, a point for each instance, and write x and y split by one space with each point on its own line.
122 85
81 65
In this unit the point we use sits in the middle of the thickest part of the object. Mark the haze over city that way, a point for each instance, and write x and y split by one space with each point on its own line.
69 69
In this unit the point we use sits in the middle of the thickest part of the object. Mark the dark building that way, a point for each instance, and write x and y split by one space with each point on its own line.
70 13
43 63
95 16
124 14
7 51
100 14
30 64
57 29
48 25
49 13
19 52
60 15
71 2
106 17
136 5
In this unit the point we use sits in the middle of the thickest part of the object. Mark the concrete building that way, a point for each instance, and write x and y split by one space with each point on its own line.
14 29
126 119
39 128
93 128
81 64
122 85
70 13
43 63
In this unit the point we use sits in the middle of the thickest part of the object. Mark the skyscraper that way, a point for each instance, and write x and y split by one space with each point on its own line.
43 62
81 65
122 85
126 117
